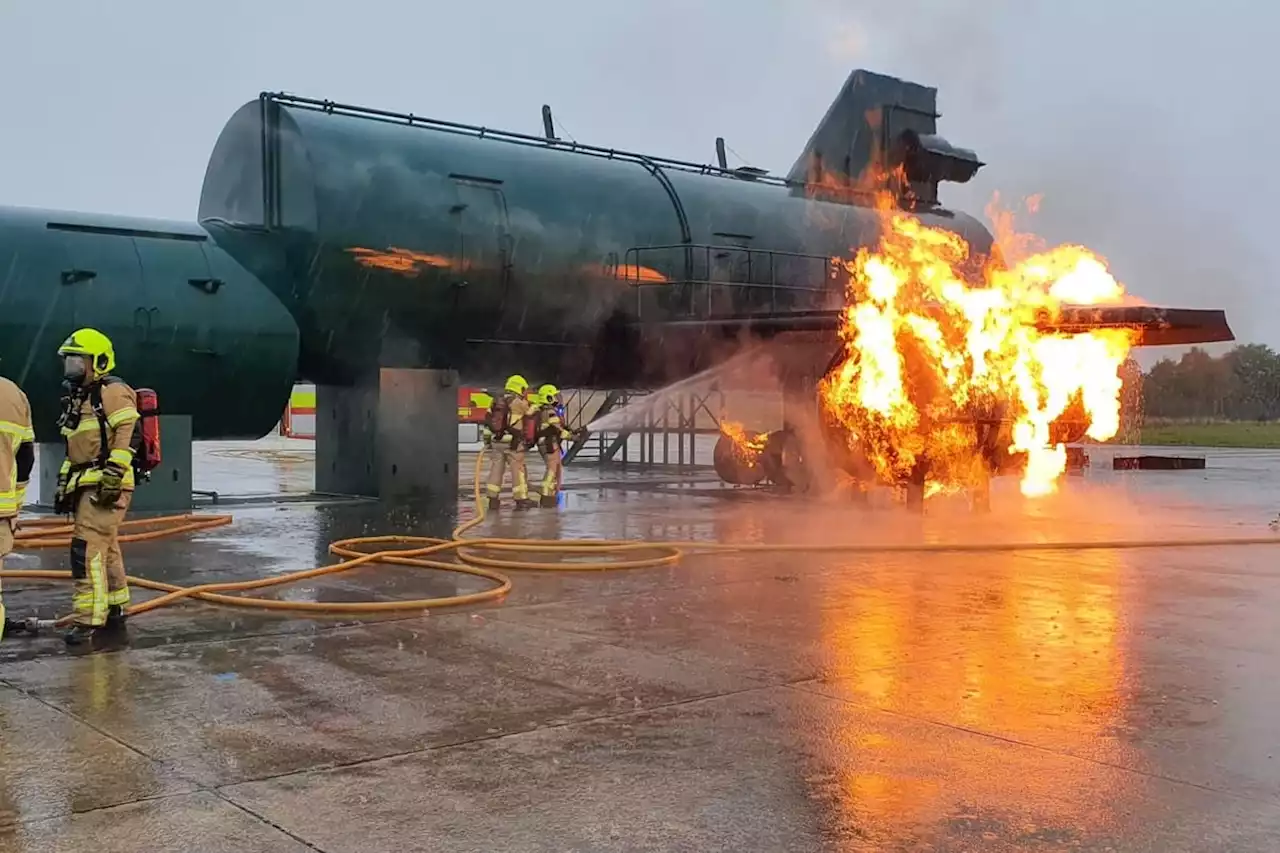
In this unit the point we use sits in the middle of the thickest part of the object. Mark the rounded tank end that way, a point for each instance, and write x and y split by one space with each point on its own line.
258 173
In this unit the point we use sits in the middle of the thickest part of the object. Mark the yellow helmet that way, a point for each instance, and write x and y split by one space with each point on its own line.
548 393
517 384
94 346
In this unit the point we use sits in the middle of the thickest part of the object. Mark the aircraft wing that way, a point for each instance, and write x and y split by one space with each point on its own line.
1156 326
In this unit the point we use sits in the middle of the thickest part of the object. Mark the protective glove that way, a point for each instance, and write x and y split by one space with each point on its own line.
110 485
62 500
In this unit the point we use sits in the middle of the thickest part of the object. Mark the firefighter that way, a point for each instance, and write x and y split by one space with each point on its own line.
505 431
551 438
17 455
95 484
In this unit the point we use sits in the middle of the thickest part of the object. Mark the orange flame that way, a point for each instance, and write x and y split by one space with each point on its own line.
746 446
398 260
928 353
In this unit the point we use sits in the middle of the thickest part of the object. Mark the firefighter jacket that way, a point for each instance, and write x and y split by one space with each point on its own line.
17 449
96 440
551 431
519 409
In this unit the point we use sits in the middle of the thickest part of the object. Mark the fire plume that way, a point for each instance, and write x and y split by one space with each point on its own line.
747 445
936 348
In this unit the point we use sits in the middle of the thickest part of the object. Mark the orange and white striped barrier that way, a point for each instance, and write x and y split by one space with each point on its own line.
299 419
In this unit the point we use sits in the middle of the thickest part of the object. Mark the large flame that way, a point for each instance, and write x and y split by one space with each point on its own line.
935 347
742 441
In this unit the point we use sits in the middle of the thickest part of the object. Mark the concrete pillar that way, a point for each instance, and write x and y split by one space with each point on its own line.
168 490
392 436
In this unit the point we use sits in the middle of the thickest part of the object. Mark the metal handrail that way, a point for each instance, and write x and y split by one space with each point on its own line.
732 248
630 273
631 261
412 120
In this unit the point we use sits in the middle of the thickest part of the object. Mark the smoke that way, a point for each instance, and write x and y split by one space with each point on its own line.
1137 129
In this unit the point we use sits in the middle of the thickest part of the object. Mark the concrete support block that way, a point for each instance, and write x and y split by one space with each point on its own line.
169 489
392 436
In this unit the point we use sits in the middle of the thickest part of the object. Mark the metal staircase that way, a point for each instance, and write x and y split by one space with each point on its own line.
664 435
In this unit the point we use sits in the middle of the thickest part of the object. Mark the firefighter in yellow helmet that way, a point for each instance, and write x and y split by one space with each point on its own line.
17 456
551 438
95 484
506 435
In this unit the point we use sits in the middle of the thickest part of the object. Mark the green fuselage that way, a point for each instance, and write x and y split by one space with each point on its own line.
329 245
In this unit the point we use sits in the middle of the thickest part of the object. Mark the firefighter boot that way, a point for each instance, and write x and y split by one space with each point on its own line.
116 617
78 635
495 503
548 502
525 503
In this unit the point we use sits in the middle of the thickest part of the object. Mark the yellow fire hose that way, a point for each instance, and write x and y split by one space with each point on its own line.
471 559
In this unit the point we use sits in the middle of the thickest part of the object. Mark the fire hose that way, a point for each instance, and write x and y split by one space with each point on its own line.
475 556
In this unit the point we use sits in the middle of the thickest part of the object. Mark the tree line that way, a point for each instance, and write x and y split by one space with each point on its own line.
1240 385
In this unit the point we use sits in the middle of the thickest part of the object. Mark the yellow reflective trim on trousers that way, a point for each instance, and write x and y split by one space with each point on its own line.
22 432
122 416
98 571
118 597
98 593
123 458
9 506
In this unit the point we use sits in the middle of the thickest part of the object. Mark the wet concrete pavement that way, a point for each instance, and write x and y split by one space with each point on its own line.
1033 700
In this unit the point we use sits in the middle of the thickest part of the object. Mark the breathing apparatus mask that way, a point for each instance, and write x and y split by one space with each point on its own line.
74 370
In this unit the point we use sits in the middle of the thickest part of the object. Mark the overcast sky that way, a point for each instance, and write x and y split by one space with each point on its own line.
1147 125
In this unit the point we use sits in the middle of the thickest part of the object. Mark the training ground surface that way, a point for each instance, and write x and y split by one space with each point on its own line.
1049 700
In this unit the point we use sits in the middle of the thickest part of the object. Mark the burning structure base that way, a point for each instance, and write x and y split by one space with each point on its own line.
748 458
780 461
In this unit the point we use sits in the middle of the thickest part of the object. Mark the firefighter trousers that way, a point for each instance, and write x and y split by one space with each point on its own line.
97 566
6 545
554 478
505 456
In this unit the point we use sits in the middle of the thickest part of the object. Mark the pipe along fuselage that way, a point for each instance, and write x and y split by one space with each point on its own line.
333 241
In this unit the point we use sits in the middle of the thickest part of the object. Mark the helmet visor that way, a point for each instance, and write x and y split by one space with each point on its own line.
74 367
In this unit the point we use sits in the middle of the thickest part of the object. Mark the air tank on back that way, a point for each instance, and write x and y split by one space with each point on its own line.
186 319
403 242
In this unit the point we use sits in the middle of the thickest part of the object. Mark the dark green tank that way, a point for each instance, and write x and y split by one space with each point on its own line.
185 318
398 241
